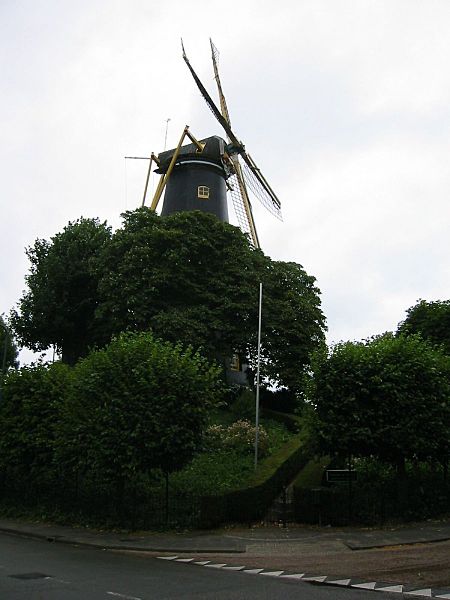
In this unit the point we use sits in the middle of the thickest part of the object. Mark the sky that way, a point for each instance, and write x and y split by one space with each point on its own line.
343 104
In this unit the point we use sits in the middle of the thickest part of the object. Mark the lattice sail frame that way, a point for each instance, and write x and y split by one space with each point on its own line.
245 174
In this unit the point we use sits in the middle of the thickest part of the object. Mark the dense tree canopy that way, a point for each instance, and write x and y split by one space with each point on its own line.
8 348
431 320
193 279
388 397
138 404
292 323
81 435
187 277
29 419
59 305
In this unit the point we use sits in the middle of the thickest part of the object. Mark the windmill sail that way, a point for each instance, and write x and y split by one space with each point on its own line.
223 104
239 195
248 174
264 193
210 102
238 204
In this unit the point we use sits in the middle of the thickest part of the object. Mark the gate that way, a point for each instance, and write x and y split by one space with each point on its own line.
281 512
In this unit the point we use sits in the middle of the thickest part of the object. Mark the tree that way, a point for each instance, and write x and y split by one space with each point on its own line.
292 323
431 320
187 277
191 278
388 397
8 348
59 305
136 405
179 276
29 419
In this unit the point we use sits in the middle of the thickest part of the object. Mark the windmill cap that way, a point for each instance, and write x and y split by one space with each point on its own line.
212 152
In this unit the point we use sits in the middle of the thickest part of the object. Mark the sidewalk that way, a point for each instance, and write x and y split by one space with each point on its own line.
235 539
143 541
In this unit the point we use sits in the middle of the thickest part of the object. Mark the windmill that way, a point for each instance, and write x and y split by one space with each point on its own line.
197 176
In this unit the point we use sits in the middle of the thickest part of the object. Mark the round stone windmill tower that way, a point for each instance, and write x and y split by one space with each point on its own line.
198 180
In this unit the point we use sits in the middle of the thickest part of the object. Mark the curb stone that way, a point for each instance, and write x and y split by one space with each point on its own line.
107 545
376 586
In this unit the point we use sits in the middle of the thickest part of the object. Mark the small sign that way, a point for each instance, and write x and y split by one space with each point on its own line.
340 475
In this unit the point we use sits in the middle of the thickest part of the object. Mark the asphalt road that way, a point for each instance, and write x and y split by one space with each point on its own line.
40 570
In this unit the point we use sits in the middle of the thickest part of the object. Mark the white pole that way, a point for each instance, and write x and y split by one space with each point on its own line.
257 377
165 137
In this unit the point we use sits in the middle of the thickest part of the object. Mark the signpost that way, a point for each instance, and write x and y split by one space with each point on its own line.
340 475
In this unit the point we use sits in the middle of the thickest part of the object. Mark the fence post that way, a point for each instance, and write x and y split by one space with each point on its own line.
284 498
350 490
167 498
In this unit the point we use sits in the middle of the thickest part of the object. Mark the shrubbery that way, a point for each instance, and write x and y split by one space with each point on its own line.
388 397
30 414
90 434
244 406
238 437
98 440
138 405
376 497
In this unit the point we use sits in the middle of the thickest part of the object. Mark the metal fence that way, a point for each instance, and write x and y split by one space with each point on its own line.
371 505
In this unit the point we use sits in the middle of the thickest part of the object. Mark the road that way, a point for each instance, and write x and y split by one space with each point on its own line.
40 570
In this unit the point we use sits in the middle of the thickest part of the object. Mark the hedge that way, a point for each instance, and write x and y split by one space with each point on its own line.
291 422
372 504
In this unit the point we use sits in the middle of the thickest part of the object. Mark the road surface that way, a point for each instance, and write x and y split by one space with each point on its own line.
40 570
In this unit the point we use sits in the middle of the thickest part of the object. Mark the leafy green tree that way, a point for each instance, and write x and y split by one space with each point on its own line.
388 397
8 348
58 308
292 323
136 405
188 277
431 320
184 276
29 419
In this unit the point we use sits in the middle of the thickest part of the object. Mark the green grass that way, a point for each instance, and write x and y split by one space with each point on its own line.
311 475
215 472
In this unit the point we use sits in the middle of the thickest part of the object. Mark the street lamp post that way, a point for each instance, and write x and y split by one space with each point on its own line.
5 350
257 378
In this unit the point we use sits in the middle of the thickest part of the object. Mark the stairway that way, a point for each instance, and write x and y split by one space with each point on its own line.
282 510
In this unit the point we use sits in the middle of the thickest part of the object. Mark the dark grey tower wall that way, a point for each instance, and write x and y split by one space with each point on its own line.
196 185
197 181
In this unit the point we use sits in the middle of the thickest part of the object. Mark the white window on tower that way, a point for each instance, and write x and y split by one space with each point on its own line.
203 192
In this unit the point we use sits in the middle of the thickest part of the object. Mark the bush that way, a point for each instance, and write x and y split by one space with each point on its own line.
213 472
387 397
29 421
375 498
238 437
137 405
244 407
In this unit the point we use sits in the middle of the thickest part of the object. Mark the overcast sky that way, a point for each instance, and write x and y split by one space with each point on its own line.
344 105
